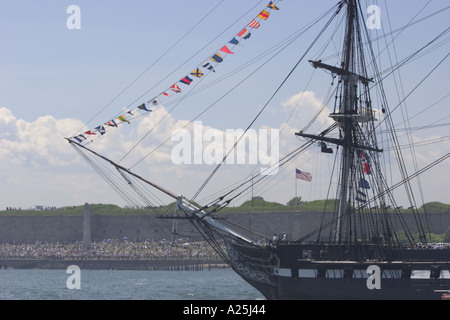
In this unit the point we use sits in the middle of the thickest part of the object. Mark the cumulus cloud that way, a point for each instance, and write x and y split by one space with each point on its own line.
35 157
40 167
39 143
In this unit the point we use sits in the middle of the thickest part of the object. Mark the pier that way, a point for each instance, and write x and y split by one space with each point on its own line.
115 264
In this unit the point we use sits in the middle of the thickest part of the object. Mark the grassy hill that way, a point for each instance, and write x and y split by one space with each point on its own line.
260 204
257 205
436 207
96 209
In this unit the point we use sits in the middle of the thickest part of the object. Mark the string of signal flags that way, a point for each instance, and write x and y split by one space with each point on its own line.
207 66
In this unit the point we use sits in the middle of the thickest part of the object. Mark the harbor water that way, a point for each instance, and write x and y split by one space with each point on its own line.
44 284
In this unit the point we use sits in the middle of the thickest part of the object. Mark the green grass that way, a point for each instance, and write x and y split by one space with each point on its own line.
436 207
96 209
257 205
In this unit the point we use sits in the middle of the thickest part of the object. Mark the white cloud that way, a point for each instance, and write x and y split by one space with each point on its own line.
40 167
307 106
38 143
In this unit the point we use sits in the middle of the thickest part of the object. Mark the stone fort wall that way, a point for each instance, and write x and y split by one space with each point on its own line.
70 228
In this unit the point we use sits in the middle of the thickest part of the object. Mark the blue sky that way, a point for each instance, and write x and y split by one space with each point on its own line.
53 80
47 69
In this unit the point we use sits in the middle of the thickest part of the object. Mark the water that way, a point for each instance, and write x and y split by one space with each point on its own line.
39 284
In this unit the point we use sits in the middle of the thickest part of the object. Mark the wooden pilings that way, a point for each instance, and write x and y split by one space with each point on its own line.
111 264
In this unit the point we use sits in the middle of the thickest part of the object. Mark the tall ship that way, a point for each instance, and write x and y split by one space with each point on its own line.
363 249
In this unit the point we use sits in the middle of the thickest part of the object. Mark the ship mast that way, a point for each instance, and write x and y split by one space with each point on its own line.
346 124
348 114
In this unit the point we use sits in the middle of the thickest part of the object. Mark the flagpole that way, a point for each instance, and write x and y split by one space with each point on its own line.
252 189
295 177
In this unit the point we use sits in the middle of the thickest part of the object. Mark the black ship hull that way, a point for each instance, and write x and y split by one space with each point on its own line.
306 272
356 289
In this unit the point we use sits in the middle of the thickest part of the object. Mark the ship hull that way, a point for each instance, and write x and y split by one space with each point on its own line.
291 272
356 289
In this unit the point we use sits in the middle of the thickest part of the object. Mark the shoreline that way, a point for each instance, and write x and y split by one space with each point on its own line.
115 264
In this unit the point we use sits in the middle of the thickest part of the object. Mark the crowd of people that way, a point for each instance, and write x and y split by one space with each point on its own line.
110 249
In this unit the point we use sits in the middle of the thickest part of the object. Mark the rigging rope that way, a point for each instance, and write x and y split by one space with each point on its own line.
234 192
282 45
395 186
269 100
185 96
155 62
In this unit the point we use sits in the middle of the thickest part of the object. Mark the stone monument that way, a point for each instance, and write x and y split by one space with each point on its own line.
86 227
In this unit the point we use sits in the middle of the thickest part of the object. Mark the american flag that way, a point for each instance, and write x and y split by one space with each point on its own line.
302 175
